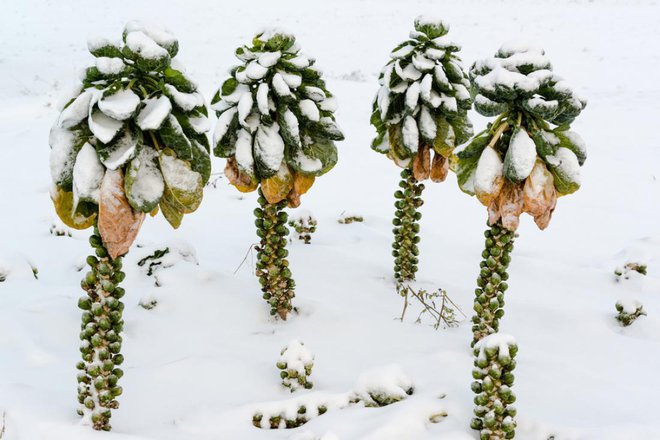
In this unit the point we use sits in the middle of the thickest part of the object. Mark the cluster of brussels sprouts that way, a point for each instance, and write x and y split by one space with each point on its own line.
100 334
276 122
493 373
295 365
491 283
406 227
521 163
272 265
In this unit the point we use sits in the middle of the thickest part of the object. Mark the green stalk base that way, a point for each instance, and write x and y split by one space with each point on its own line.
491 283
272 266
406 227
100 334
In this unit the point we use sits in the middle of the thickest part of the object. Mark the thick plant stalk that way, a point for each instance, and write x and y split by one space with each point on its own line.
493 370
272 266
491 283
101 329
406 227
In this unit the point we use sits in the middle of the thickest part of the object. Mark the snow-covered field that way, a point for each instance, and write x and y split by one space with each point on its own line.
200 362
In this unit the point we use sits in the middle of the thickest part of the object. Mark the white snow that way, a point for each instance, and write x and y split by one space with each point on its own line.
110 66
144 46
186 101
402 52
262 98
291 79
161 36
389 380
292 124
410 134
124 151
120 105
244 107
148 184
200 124
309 110
502 342
88 172
269 146
522 153
61 143
255 71
269 59
153 114
488 170
281 87
222 125
97 42
78 109
427 125
412 96
103 126
244 150
178 176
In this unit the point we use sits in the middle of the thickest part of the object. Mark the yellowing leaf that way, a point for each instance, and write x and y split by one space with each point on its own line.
63 202
243 181
302 183
277 187
170 210
118 223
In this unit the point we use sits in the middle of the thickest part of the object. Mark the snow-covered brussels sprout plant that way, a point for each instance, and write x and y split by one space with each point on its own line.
276 127
522 162
420 111
131 141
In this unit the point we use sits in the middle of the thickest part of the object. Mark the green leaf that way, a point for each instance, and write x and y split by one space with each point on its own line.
201 162
323 150
465 170
173 137
106 50
179 80
229 86
476 147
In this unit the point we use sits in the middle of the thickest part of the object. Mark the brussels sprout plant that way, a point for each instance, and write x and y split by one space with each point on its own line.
131 142
276 127
420 111
522 162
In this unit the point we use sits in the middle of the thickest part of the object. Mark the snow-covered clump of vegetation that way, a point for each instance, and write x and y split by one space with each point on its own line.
276 127
375 388
630 269
493 370
420 111
305 225
383 387
629 311
130 141
296 363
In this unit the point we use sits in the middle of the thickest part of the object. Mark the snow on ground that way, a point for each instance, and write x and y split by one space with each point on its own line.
200 361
